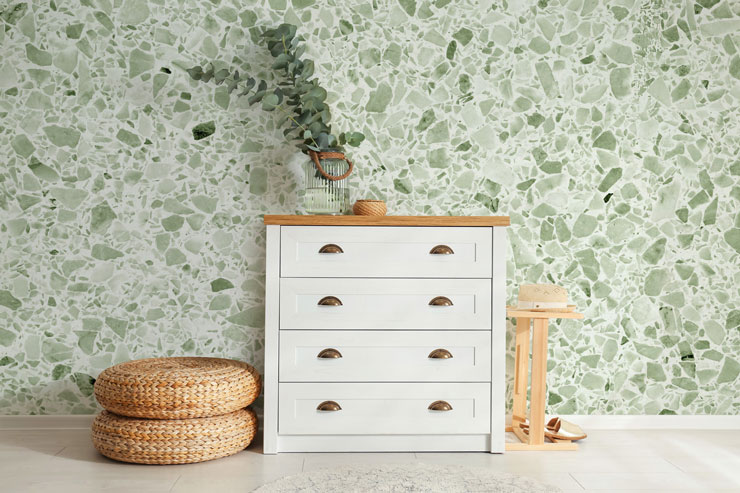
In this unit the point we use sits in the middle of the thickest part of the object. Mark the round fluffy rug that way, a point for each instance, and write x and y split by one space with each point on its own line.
403 478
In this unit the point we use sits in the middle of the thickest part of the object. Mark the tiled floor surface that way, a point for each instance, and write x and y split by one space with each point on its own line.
668 460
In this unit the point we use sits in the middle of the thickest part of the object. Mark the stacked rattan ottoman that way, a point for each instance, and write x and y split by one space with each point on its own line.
175 410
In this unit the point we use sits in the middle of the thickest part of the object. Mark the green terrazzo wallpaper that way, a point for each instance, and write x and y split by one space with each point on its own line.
131 196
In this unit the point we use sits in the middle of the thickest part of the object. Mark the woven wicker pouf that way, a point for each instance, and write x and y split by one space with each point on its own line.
173 441
177 388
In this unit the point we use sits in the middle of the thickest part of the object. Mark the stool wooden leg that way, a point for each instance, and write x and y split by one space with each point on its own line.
539 383
521 371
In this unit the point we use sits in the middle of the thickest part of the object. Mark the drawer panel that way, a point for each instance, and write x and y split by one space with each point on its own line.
384 409
385 304
385 356
385 252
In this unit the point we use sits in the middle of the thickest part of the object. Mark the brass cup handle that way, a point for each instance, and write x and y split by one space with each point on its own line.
440 406
441 250
331 248
330 301
329 353
440 301
440 354
329 406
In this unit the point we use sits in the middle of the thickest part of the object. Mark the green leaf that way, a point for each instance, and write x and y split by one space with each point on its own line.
307 71
323 140
286 31
279 93
256 97
247 87
317 94
355 138
316 128
304 118
276 49
282 61
270 102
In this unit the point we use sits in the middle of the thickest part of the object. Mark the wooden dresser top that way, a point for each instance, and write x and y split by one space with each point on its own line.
292 220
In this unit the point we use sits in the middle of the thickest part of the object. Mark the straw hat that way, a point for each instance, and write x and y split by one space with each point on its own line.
543 298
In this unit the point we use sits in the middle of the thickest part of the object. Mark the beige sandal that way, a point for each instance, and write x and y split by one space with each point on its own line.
559 429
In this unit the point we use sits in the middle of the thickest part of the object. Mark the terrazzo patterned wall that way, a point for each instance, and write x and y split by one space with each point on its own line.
608 131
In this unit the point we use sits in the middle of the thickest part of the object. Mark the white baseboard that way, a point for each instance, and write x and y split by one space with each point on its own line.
58 422
46 422
593 422
655 422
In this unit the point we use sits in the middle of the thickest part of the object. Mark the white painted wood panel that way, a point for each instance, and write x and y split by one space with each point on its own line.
498 341
272 311
385 443
385 252
384 356
384 409
385 304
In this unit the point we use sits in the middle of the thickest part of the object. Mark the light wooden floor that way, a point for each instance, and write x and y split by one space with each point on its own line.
62 461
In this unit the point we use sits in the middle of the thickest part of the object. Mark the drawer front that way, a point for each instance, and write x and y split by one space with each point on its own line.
384 409
385 304
385 252
385 356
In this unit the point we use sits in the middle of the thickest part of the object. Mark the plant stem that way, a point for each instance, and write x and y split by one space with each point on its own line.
280 107
292 81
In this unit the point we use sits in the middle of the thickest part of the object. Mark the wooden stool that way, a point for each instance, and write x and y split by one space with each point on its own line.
536 438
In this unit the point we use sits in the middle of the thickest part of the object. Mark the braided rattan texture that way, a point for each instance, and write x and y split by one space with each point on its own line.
173 441
177 388
369 208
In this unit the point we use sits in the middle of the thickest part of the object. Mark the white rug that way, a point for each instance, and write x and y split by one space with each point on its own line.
405 478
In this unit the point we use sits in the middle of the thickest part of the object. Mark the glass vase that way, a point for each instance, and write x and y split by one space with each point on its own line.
323 195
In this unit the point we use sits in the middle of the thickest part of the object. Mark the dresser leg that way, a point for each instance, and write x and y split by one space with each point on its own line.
521 371
539 383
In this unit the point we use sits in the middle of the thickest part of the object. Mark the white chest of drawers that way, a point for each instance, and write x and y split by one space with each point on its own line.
384 334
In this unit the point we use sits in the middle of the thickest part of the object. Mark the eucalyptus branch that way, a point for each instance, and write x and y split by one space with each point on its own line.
298 90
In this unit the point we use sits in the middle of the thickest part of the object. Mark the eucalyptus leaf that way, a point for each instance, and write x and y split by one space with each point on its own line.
354 138
279 94
323 140
256 97
270 102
